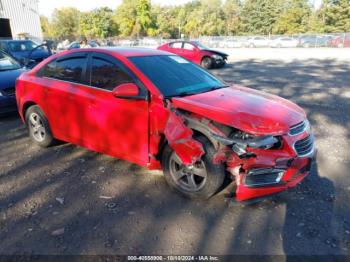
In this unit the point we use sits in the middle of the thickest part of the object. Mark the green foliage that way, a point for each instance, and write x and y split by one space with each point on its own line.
143 18
259 16
125 17
231 10
336 16
46 27
200 17
65 23
98 23
294 18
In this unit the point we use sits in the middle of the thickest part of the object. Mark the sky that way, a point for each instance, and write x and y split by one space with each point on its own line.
46 7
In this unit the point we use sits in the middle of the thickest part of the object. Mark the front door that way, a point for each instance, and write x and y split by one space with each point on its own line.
116 126
189 52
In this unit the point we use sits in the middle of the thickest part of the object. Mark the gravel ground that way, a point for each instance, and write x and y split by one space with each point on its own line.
67 200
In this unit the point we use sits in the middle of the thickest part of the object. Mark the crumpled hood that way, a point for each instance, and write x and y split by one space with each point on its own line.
249 110
216 52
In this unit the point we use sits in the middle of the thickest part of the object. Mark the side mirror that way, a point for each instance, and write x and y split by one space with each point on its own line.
127 90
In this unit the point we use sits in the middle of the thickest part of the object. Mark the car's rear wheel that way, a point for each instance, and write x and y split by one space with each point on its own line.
38 126
206 62
200 181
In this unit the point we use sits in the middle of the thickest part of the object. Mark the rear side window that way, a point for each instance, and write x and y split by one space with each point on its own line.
70 69
107 75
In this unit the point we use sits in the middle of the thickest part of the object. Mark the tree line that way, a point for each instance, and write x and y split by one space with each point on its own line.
137 18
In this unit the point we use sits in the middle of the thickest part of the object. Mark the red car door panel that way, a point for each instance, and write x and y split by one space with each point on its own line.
65 103
115 126
189 52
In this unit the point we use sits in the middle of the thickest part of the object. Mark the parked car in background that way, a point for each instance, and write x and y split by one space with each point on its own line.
22 50
284 42
197 53
76 45
10 70
257 41
126 42
341 41
315 41
231 43
159 110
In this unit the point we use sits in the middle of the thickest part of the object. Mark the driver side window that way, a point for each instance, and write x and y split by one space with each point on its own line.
107 75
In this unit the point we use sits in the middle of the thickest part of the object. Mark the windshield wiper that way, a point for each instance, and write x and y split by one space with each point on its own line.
187 93
181 94
218 87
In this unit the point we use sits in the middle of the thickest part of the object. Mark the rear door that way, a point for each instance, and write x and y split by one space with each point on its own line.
66 103
116 126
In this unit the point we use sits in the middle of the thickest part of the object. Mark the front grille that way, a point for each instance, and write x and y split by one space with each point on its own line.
298 128
9 91
304 146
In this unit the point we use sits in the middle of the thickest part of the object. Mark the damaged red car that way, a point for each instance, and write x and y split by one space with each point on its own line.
158 110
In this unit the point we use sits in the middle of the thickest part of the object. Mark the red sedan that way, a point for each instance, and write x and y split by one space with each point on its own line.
196 53
159 110
341 41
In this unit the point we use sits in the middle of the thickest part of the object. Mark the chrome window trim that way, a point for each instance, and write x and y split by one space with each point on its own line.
75 83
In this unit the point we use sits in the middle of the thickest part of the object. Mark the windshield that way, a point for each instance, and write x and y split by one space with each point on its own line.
7 63
175 76
20 46
200 45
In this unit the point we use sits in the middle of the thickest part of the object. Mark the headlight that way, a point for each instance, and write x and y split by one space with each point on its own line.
242 140
1 94
217 57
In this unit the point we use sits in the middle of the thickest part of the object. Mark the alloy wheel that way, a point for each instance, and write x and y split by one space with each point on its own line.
189 178
36 127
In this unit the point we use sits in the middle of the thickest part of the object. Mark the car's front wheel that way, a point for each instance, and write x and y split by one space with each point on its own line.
200 181
38 126
207 62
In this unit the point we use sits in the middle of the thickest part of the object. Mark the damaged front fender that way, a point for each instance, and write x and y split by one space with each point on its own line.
180 139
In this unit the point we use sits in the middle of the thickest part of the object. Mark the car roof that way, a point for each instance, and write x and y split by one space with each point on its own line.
132 51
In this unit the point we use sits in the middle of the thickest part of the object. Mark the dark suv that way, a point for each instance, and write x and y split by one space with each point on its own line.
23 50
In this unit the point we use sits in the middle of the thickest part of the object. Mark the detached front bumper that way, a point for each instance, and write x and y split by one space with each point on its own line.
219 62
273 171
265 184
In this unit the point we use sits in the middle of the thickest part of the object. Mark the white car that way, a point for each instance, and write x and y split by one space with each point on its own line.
284 42
231 43
258 41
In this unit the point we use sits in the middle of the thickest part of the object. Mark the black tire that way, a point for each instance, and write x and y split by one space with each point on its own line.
207 63
41 133
215 174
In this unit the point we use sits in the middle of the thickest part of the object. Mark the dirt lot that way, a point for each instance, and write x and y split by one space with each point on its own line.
67 200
